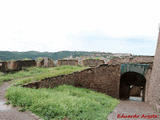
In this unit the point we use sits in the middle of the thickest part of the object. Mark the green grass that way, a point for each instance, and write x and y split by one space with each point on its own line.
35 74
60 102
63 102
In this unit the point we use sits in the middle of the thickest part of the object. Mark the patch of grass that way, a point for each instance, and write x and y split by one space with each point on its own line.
35 73
63 102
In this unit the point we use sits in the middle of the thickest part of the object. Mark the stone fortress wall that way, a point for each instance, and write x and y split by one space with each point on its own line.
100 79
104 78
72 62
10 66
132 59
154 86
92 62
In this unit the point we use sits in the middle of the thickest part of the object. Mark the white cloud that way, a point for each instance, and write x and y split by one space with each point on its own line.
46 24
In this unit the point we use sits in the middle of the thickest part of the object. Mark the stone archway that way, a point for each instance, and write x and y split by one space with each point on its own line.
132 84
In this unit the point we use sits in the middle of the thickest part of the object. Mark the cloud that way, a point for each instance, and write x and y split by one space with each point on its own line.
94 25
97 41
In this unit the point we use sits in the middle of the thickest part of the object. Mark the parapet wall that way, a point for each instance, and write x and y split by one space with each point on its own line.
67 62
45 62
92 62
26 63
133 59
101 79
11 66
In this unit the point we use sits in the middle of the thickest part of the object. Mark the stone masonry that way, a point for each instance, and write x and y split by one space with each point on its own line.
45 62
101 79
71 62
92 62
132 59
154 86
105 79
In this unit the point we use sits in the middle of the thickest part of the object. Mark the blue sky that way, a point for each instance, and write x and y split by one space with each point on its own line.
123 26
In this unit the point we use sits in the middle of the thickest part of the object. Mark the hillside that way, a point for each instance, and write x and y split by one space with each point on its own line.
8 55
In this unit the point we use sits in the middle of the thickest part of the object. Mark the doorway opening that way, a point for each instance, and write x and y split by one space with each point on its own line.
132 86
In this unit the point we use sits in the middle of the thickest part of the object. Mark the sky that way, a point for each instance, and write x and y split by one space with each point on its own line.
118 26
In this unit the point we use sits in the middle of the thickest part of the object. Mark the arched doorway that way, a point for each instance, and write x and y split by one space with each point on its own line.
132 84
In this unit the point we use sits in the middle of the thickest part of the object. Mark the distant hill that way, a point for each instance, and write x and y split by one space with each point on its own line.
8 55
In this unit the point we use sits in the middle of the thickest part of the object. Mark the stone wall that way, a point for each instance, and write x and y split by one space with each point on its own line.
3 66
26 63
147 77
105 79
135 91
154 86
133 59
11 66
67 62
45 62
92 62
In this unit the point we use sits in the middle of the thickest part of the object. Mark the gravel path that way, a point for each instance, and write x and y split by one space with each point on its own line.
7 112
141 110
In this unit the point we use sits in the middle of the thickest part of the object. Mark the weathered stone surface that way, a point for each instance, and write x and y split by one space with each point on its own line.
11 66
135 91
92 62
105 79
3 66
26 63
154 86
133 59
71 62
45 62
101 79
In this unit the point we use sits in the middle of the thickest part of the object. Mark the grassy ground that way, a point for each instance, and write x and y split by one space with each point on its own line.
60 102
35 74
63 102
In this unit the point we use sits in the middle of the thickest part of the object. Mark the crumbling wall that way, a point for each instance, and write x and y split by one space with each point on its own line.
11 66
45 62
92 62
67 62
3 66
26 63
105 79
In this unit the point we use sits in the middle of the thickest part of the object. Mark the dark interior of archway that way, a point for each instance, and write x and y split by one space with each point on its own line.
132 84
